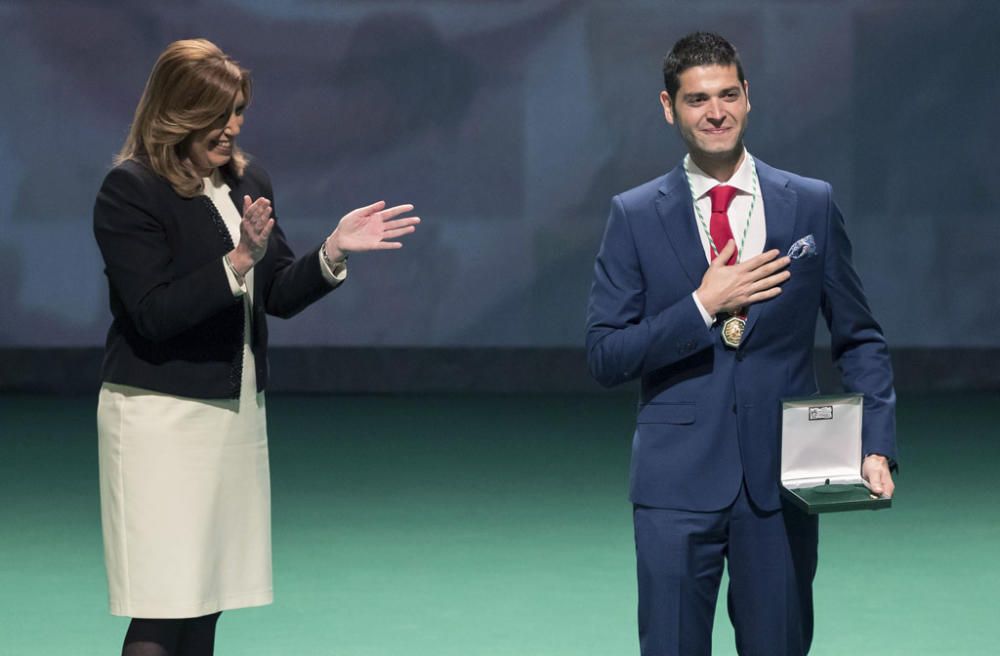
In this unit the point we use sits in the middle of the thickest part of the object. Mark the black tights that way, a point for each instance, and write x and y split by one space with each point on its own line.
193 636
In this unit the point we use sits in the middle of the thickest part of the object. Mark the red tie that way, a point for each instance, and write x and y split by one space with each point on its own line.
718 227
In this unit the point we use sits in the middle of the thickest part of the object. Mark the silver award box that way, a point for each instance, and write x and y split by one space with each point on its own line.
821 455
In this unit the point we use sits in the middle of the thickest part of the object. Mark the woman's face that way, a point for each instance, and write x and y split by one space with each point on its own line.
213 147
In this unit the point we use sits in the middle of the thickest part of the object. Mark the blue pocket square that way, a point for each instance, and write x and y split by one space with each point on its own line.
805 247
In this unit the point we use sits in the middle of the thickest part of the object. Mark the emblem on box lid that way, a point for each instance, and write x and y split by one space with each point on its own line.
820 412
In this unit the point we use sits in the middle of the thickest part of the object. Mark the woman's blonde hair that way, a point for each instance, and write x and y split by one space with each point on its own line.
192 85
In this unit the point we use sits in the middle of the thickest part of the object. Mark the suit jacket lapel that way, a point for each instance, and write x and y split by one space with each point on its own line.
676 212
235 189
779 217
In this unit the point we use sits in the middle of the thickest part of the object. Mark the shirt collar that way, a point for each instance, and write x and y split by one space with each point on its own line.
216 181
701 182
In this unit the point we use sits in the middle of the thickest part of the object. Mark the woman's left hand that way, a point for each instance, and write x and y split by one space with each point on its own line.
370 228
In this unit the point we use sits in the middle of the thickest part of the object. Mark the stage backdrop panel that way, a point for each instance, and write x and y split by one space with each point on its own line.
510 126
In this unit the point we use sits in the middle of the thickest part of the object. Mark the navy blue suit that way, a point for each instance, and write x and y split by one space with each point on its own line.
708 424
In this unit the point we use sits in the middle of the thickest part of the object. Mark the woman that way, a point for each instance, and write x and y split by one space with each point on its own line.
195 259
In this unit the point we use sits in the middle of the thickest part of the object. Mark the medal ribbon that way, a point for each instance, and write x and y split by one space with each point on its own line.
719 234
713 244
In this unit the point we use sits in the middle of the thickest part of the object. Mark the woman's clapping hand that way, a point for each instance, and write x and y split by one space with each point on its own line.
370 228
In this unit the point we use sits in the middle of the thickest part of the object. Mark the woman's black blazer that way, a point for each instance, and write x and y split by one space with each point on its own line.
177 327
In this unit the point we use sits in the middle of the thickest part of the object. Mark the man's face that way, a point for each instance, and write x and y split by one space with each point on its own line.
710 111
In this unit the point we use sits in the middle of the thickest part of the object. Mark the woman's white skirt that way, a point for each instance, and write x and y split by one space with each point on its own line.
185 502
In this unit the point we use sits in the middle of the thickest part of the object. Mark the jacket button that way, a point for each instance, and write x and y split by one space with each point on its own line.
734 408
739 356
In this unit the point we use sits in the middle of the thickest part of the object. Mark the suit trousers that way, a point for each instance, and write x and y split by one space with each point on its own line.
771 557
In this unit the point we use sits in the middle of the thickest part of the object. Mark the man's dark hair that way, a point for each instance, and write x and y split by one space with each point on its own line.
698 49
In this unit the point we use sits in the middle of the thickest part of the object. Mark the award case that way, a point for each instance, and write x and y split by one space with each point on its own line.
821 455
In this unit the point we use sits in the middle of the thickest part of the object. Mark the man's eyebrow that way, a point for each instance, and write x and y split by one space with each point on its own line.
701 95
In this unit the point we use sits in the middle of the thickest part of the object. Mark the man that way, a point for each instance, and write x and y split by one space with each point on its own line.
694 293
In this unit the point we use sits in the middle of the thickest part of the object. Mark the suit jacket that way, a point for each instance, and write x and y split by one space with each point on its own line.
177 327
709 416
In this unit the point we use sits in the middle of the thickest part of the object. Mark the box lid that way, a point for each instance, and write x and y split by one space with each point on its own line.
821 440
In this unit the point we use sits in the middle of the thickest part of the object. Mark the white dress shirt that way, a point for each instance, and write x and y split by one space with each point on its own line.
741 217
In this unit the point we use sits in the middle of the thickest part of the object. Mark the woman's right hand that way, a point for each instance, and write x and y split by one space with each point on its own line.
255 230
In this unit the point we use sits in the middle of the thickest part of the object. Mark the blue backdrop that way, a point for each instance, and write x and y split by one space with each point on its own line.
510 125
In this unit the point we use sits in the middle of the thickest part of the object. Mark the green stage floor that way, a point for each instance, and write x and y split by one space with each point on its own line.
493 526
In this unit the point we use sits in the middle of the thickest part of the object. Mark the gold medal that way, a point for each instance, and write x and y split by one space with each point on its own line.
732 331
